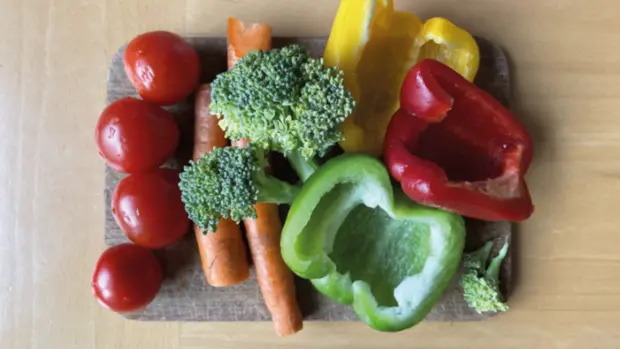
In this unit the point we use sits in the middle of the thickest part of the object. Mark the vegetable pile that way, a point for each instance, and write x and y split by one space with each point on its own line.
380 228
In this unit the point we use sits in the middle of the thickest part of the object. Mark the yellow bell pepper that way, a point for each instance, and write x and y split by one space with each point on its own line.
375 46
441 40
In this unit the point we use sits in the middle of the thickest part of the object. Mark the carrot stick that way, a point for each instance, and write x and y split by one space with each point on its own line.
222 253
274 278
245 37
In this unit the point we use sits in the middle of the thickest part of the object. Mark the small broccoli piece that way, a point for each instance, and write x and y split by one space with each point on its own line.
477 259
226 183
481 283
283 100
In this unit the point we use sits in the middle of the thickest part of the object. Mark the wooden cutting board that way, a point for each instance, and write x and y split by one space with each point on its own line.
185 296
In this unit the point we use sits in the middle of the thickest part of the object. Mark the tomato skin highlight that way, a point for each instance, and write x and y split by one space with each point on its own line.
135 136
127 278
162 67
148 208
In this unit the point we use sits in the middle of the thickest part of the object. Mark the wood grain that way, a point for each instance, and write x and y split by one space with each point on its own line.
53 64
185 296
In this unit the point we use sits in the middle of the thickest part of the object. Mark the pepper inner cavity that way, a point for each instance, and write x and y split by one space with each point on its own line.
373 247
466 144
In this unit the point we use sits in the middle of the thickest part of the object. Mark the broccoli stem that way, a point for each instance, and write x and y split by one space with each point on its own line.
493 270
273 190
478 259
304 167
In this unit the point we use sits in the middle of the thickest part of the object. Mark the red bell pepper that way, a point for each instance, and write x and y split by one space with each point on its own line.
452 145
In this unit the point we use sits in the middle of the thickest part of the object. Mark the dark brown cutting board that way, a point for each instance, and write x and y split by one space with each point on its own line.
185 296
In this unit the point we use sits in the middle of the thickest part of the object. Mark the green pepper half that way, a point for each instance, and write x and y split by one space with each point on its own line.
363 245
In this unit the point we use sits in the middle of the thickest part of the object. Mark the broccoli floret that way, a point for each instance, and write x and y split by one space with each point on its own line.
481 283
283 100
227 183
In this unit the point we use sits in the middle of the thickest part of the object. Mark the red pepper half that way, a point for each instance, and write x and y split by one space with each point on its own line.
452 145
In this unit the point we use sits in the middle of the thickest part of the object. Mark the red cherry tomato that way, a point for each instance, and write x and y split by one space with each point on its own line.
162 66
148 208
127 278
135 136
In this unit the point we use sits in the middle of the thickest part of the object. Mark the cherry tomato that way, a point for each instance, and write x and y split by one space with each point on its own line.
162 66
127 278
148 208
135 136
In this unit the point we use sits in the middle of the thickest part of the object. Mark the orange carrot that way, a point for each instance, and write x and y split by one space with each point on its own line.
245 37
276 281
274 278
223 255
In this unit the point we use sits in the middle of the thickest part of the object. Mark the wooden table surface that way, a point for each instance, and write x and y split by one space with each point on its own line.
53 60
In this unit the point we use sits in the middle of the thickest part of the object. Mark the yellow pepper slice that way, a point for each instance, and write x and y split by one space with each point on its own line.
375 46
441 40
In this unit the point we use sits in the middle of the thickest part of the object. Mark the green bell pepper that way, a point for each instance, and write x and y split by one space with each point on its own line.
363 245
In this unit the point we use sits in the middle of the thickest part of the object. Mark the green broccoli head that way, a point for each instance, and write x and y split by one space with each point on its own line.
481 283
227 183
282 100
